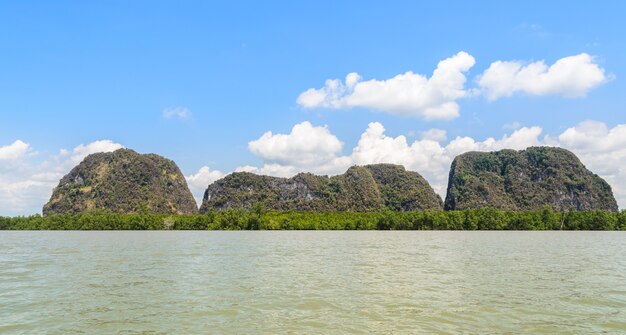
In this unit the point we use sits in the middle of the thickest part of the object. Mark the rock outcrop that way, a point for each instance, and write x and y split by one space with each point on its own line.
526 180
123 181
361 188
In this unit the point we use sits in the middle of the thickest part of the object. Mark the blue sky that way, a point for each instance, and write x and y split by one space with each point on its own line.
198 81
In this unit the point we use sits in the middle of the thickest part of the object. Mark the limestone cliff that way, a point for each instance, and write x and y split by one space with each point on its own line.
361 188
123 181
526 180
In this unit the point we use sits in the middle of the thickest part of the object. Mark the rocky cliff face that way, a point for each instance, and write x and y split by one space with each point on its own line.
526 180
361 188
123 181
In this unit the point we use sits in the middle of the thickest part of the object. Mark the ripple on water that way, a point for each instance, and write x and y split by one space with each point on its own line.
312 282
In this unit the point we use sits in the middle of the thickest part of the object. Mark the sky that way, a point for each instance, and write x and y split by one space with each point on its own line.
288 86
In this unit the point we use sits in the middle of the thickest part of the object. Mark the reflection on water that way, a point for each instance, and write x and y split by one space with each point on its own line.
312 282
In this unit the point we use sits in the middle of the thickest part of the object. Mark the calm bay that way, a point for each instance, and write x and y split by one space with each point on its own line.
301 282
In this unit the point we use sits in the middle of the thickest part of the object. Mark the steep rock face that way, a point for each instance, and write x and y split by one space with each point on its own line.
526 180
404 190
361 188
123 181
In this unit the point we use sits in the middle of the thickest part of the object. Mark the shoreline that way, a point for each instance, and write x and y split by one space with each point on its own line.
473 219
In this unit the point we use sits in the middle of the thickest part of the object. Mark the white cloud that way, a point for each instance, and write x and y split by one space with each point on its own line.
16 150
83 151
435 98
407 94
277 170
304 146
26 183
199 181
571 76
531 26
512 126
435 135
595 136
602 150
426 156
177 112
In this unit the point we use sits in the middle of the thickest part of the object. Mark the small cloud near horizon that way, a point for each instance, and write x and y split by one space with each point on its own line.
177 112
515 125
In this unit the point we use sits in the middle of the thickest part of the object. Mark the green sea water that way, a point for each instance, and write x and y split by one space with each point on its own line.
305 282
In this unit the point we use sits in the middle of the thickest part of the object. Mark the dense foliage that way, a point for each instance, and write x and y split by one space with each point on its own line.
359 189
526 180
123 181
259 219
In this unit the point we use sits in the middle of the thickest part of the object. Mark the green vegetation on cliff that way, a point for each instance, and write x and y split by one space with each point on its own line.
403 190
123 181
360 189
526 180
126 182
259 219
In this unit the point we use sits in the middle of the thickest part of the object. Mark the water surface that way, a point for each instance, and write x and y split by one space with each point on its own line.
312 282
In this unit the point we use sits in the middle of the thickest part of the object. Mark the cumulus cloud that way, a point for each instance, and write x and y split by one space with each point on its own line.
305 145
434 134
199 181
278 170
571 76
435 98
595 136
83 150
177 112
15 150
603 150
26 183
512 126
408 94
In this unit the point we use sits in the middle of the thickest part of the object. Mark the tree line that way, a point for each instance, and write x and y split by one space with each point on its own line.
259 219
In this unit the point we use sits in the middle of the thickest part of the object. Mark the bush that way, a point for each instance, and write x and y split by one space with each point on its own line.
259 219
